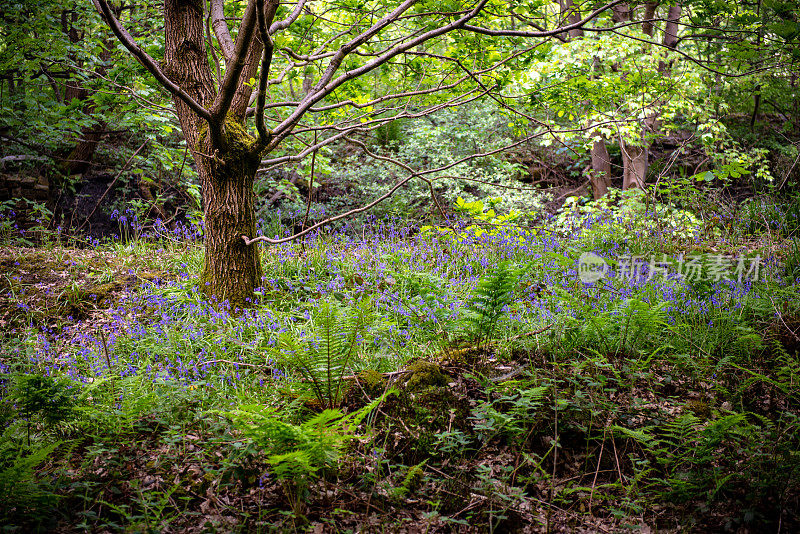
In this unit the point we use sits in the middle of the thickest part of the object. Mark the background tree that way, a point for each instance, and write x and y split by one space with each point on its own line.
640 72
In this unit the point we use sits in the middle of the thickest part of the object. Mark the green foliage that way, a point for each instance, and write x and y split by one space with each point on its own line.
791 263
512 412
390 134
490 299
767 214
488 222
40 231
412 480
625 216
48 398
22 497
298 452
445 138
323 357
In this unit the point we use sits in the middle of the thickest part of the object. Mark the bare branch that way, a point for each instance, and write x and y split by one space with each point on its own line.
698 62
266 60
234 66
325 87
220 27
344 130
356 211
285 23
149 63
549 33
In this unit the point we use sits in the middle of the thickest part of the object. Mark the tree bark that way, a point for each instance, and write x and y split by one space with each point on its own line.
571 12
670 33
634 164
649 13
635 157
600 174
621 13
231 269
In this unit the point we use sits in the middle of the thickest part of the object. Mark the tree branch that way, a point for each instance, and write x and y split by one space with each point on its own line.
548 33
325 87
285 23
266 60
149 63
398 185
234 67
220 27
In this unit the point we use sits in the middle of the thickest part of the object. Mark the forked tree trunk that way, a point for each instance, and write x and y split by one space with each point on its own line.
634 165
231 269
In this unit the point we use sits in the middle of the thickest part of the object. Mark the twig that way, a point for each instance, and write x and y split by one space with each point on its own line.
526 334
310 186
597 469
108 360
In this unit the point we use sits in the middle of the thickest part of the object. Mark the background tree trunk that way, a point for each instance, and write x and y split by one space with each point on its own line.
571 12
649 14
634 165
600 174
635 162
82 154
621 13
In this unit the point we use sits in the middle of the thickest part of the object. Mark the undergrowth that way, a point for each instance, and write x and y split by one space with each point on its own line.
457 380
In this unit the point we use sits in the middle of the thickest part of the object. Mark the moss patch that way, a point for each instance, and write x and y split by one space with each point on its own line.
425 375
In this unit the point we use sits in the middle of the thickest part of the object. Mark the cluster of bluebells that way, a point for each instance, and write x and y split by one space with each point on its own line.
131 227
419 284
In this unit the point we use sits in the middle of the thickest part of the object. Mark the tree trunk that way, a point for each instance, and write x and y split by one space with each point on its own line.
647 22
82 154
231 269
600 174
621 13
670 33
634 165
635 157
571 12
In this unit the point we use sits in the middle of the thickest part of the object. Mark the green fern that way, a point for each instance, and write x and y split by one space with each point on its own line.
495 291
20 492
297 452
323 358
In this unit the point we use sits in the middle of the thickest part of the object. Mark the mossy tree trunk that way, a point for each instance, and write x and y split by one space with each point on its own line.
226 163
231 269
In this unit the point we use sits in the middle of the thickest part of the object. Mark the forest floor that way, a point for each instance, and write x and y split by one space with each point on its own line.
482 387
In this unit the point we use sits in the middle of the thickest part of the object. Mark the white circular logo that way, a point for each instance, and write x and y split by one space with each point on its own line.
591 267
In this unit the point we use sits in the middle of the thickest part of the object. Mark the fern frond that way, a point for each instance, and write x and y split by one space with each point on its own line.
494 291
323 358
